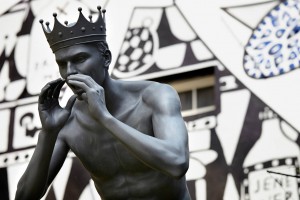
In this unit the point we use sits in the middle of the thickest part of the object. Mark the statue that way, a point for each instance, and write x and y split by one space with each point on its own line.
129 135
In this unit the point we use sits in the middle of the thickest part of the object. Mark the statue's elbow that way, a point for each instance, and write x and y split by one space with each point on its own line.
18 195
20 190
24 193
181 169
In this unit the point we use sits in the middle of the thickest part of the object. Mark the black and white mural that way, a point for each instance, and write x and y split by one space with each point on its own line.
157 33
246 149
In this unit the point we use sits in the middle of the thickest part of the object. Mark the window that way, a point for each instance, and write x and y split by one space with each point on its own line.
196 94
186 100
205 96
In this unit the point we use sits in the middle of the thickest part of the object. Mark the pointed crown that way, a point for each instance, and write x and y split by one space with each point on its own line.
83 31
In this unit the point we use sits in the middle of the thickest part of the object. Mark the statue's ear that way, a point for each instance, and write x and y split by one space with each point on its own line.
107 57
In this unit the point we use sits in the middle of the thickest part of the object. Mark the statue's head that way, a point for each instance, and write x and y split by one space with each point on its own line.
81 32
80 47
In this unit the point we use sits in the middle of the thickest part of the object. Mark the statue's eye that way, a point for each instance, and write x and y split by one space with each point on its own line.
80 59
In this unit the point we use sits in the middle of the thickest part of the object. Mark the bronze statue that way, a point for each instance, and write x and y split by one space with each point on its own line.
129 135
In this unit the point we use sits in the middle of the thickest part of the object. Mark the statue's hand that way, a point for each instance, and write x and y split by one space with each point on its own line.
93 94
52 115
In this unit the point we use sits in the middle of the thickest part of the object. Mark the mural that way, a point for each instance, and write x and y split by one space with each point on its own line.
274 46
247 148
157 33
25 65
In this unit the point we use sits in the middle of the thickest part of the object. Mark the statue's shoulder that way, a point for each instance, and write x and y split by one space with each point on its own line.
157 89
151 92
159 94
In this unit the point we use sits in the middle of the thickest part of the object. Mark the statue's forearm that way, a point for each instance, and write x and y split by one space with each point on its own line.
159 154
34 180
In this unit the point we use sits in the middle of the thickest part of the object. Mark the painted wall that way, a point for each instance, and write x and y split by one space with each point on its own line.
253 46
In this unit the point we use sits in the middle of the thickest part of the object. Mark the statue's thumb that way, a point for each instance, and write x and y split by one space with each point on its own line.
70 103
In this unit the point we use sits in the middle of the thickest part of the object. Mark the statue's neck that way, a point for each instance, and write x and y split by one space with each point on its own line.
114 94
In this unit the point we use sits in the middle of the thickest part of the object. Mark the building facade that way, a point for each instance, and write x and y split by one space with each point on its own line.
233 63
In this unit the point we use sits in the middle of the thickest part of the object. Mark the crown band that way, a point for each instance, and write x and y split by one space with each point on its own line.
77 40
83 31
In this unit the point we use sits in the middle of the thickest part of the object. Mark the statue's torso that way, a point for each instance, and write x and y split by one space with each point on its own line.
117 173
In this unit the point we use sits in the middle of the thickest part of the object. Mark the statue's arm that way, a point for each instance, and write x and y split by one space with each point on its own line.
41 169
168 150
35 179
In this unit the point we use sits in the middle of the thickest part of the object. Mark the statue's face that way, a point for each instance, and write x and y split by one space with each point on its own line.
81 59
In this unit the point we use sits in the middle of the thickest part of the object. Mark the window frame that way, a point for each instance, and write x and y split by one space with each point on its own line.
192 84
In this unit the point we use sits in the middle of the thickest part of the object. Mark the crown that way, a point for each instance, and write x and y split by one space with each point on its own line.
83 31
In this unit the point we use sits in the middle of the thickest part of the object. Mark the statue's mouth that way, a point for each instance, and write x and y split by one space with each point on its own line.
76 90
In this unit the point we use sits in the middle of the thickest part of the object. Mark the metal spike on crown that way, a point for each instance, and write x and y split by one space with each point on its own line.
83 31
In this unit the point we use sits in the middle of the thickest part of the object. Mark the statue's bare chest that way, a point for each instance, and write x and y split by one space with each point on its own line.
101 152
